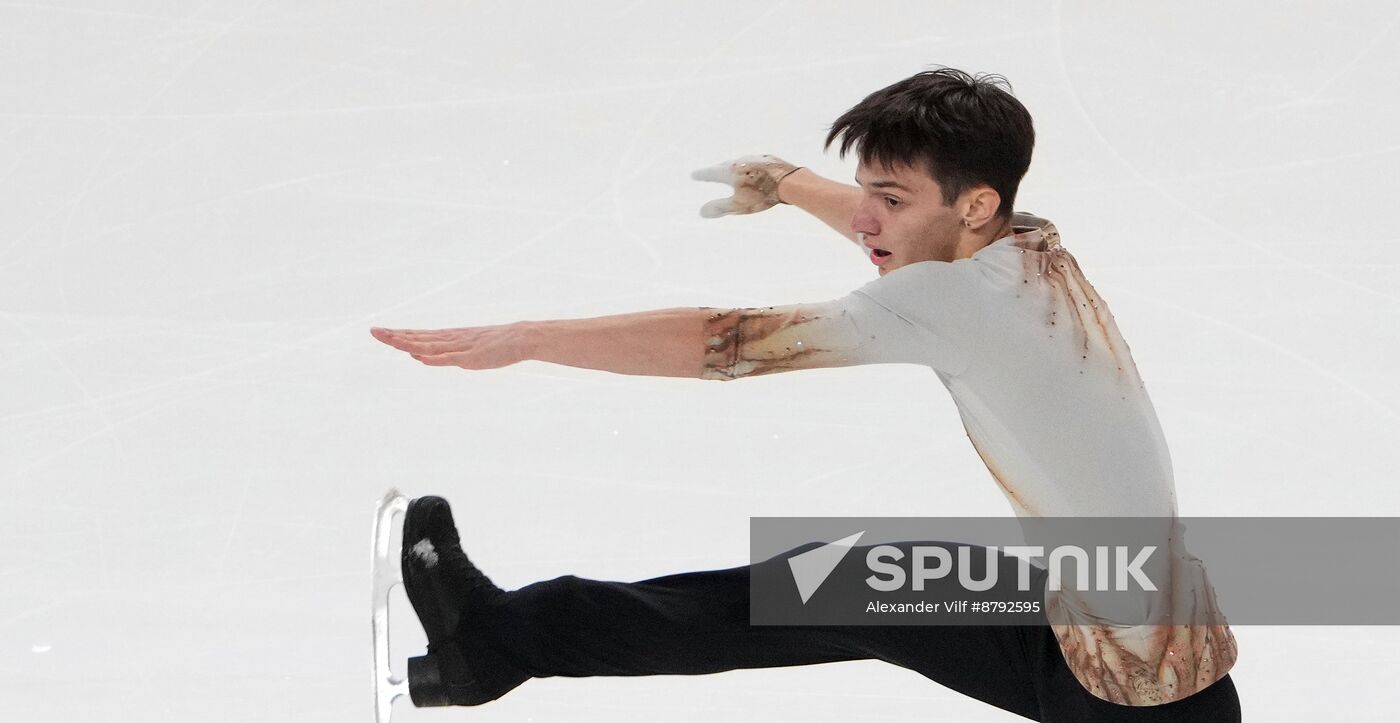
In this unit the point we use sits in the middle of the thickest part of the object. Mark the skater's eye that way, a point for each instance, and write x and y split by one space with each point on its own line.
891 201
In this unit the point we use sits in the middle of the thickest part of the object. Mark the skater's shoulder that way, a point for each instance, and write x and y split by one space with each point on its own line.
1029 234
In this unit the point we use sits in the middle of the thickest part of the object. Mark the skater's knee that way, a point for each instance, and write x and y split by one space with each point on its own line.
562 587
781 559
783 556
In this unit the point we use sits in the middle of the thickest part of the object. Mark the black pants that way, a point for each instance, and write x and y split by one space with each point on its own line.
698 622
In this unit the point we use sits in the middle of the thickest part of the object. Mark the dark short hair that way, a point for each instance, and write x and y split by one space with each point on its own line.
965 130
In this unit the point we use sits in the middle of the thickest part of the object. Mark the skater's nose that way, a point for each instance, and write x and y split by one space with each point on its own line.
865 222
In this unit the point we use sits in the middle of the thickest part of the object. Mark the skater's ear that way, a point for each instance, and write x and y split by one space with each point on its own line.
978 206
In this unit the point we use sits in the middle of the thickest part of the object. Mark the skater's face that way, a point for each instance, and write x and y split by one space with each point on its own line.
902 211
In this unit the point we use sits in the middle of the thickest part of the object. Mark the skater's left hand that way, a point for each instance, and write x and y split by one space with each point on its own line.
755 180
478 347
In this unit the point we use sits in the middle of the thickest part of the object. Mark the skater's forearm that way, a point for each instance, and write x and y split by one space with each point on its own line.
663 342
831 202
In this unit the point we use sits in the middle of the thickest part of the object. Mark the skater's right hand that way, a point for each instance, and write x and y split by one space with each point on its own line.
755 180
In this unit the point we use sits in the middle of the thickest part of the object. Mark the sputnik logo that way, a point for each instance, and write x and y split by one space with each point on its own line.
811 568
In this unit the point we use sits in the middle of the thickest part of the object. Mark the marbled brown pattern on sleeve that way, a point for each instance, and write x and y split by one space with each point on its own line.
754 341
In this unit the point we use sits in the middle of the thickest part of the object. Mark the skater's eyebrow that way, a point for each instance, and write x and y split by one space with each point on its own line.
885 184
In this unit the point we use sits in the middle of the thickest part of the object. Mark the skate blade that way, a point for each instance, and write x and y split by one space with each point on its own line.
385 574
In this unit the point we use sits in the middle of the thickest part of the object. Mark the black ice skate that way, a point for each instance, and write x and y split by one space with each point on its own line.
442 584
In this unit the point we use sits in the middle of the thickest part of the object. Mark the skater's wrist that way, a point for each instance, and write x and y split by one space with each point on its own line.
794 184
526 340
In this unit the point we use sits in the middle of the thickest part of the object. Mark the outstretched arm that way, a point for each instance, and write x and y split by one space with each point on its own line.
663 342
696 342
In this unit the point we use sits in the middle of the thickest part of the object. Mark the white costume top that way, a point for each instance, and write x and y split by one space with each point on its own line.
1051 400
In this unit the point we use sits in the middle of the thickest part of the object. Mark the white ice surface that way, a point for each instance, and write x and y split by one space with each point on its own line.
205 206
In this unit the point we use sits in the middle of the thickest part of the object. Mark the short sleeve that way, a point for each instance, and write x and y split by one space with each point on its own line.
880 323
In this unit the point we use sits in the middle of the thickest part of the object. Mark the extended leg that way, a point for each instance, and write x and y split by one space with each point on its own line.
484 642
696 623
685 624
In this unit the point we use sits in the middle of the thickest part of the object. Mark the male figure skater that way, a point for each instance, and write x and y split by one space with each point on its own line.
988 299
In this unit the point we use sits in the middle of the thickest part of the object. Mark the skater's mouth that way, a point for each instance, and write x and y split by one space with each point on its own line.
877 255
